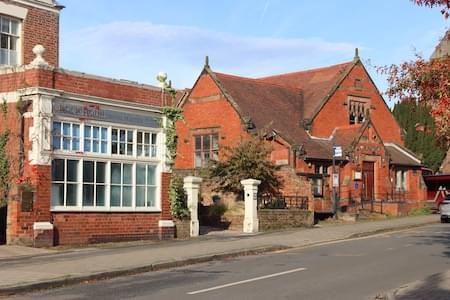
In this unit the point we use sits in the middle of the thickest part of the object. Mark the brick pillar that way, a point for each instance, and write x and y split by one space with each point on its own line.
165 224
251 222
192 186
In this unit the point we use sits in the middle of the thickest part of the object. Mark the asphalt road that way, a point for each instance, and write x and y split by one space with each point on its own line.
354 269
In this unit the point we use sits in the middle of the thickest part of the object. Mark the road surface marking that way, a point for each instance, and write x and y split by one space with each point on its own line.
246 281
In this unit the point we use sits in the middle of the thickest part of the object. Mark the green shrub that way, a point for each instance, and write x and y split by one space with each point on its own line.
217 210
178 198
421 211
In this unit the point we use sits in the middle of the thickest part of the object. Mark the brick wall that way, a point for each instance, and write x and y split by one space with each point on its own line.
41 27
73 227
85 228
335 112
72 82
270 219
206 109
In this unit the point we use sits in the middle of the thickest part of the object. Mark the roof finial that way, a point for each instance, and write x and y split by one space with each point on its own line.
206 61
356 54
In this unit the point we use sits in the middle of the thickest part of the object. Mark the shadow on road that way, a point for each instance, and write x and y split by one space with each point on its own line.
434 287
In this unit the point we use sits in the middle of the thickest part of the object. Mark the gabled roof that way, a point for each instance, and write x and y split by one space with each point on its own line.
267 106
401 156
271 107
316 84
345 136
282 103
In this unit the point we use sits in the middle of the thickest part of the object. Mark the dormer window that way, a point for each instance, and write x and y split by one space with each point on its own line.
357 110
9 41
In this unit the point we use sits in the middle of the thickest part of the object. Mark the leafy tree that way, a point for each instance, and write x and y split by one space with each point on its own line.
249 159
420 130
426 83
443 4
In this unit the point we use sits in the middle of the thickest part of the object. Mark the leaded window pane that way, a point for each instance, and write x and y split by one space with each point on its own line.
101 172
115 196
150 175
126 196
72 194
88 195
88 171
100 195
116 173
72 170
127 174
58 170
140 196
58 194
140 174
151 196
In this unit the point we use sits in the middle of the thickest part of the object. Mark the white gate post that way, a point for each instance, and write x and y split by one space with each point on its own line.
191 186
251 223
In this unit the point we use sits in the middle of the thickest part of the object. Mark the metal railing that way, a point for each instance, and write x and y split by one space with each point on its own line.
282 202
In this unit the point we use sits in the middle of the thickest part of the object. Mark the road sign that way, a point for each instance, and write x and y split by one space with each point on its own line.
335 180
337 151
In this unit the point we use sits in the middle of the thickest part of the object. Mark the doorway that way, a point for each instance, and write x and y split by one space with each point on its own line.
368 180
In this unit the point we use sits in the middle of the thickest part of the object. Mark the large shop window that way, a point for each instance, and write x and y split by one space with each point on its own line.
97 184
9 41
206 148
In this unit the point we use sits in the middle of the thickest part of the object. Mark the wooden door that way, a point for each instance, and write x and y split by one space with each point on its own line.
368 180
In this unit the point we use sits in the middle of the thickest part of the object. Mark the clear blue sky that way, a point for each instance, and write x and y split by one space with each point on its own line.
135 39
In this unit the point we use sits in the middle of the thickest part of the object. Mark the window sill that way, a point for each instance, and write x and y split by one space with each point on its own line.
104 210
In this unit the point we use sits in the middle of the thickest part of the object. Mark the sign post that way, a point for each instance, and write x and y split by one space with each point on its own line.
337 152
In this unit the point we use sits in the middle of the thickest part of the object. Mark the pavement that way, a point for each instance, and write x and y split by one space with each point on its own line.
49 268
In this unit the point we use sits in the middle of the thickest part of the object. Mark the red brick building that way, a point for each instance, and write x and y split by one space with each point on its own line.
91 147
301 115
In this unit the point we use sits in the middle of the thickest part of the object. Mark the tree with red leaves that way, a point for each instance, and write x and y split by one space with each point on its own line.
443 4
426 83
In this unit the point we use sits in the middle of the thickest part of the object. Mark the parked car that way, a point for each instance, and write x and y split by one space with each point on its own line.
445 209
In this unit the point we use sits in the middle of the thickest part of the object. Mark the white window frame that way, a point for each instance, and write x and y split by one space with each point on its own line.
152 144
213 152
70 137
19 41
91 140
108 158
401 180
